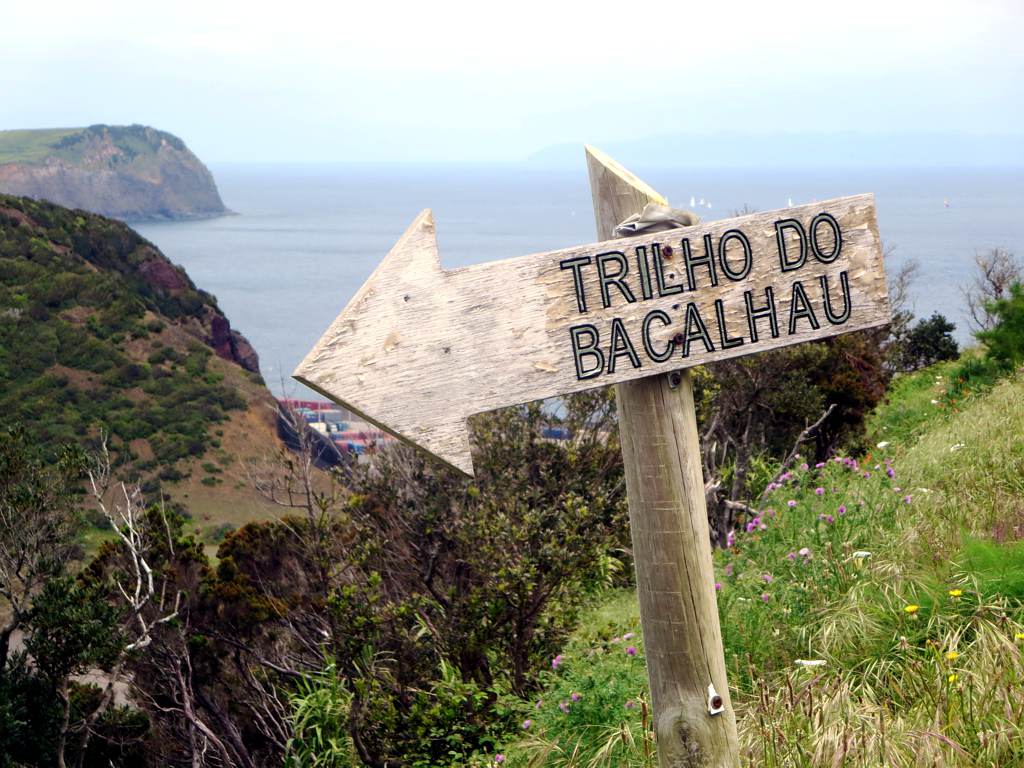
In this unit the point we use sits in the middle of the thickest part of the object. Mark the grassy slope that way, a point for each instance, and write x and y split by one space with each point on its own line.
940 684
30 146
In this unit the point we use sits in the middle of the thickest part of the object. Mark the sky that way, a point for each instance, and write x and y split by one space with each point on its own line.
395 81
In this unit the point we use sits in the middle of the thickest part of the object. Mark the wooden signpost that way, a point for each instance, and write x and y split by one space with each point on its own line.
419 349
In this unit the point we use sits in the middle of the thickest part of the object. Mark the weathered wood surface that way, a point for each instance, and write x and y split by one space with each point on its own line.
418 349
671 543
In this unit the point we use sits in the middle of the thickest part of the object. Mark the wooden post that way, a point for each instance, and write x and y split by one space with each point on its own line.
669 525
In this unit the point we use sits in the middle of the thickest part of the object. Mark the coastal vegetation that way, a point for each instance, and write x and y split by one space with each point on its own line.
865 497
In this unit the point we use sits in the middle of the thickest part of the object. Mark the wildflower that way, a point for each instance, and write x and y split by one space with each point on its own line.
556 662
805 552
907 498
564 706
955 447
730 539
867 475
911 609
771 512
934 401
955 593
829 519
575 697
718 586
527 724
860 554
791 556
1019 636
883 445
631 651
630 704
952 655
765 597
499 759
767 578
819 491
728 569
804 467
819 465
628 636
890 472
842 509
791 503
809 662
951 678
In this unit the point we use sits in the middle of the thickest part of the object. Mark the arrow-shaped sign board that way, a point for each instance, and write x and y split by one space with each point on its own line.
419 349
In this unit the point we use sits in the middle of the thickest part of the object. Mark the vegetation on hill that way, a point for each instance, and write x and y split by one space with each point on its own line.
99 333
873 612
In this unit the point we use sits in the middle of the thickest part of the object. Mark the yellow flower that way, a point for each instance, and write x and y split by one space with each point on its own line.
955 592
951 678
1020 636
911 609
951 655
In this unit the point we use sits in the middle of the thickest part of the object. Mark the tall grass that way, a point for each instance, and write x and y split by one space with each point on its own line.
871 614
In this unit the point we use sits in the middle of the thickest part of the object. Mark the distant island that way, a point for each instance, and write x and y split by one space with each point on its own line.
133 173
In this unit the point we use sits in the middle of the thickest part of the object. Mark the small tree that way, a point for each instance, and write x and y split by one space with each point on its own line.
996 271
1005 339
929 342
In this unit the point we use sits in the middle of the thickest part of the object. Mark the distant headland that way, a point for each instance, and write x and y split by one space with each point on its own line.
133 173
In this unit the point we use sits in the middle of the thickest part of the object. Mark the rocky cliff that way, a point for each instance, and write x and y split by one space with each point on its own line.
134 173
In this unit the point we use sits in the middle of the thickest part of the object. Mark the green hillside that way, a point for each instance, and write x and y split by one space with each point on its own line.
27 146
35 146
99 332
917 645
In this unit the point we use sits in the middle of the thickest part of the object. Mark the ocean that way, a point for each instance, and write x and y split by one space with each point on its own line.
306 237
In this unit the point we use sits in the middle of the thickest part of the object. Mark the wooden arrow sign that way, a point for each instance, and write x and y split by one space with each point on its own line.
419 349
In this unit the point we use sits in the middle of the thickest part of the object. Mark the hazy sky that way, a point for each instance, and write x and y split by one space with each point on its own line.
424 81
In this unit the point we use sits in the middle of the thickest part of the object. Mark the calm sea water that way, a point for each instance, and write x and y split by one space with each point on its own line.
307 237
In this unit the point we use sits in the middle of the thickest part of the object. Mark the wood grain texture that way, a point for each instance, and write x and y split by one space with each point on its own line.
419 349
671 541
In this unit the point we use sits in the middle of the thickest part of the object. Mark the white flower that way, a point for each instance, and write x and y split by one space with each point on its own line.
860 554
934 401
809 662
955 447
883 445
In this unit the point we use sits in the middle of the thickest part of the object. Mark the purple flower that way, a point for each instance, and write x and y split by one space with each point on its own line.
867 475
527 724
819 491
499 758
767 578
765 597
564 706
631 651
805 552
804 467
907 498
890 472
575 697
791 503
718 586
829 519
628 636
556 662
791 556
842 509
728 569
819 465
730 539
771 512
